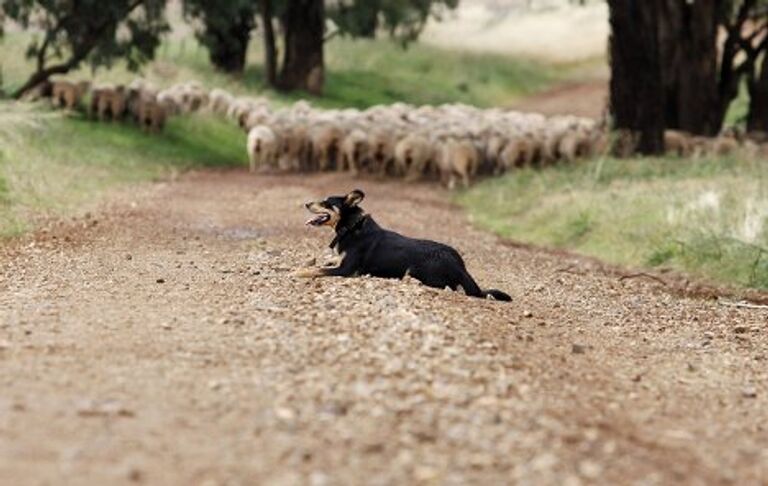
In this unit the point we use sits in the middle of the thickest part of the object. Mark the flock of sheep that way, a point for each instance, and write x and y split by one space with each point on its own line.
139 101
453 142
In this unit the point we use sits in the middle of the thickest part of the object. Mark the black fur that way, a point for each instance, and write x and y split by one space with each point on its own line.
368 249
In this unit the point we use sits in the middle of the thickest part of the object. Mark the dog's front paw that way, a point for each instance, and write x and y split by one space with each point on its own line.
307 272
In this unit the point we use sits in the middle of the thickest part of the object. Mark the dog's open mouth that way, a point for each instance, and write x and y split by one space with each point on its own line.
319 220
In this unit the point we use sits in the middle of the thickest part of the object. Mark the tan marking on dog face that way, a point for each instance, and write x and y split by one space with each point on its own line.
326 215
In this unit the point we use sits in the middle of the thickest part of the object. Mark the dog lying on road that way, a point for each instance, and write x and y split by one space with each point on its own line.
368 249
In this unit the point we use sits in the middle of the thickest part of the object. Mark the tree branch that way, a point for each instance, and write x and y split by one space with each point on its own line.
741 17
331 35
730 75
79 52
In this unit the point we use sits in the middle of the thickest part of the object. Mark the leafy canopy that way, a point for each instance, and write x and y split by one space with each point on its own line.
97 32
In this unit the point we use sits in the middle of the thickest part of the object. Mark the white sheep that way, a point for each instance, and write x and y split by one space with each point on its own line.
262 147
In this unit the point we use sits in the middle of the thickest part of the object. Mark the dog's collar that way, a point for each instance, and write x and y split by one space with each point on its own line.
343 232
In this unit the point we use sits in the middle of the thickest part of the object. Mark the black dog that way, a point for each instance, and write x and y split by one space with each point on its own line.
368 249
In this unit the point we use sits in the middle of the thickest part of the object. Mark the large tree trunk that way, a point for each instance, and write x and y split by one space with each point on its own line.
270 48
230 47
637 87
303 67
757 119
688 46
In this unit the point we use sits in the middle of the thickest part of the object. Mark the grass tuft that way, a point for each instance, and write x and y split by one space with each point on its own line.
60 163
707 217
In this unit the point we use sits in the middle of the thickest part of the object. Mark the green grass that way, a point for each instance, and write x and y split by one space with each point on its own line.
359 73
56 165
362 73
708 218
737 112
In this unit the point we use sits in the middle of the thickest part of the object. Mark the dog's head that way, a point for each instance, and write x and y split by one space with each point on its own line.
335 209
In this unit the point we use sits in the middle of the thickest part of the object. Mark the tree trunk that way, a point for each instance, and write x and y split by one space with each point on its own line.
303 68
757 119
229 48
270 48
637 85
688 46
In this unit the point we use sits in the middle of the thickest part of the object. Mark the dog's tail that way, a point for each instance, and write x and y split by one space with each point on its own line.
473 290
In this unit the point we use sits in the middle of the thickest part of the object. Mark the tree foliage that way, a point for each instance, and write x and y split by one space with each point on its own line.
96 32
403 20
224 28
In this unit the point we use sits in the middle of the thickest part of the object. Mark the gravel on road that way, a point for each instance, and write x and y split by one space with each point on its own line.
163 340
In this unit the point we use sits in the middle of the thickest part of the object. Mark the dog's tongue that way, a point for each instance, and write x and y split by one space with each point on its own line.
316 220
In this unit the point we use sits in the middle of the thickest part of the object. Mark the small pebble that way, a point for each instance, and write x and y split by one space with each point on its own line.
749 392
135 475
578 348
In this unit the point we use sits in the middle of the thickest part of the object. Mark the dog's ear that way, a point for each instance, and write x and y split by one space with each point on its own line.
354 198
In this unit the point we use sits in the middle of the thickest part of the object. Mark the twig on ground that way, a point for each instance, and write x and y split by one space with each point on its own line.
742 304
569 269
643 274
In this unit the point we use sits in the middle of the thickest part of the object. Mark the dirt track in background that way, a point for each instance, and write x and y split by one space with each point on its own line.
586 98
163 341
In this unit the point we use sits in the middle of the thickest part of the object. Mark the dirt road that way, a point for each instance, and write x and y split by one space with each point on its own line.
587 98
163 341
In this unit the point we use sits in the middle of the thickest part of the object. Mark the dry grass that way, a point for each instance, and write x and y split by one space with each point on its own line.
706 217
52 164
17 118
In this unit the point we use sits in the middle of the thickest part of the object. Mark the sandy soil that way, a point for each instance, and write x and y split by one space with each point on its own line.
162 340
